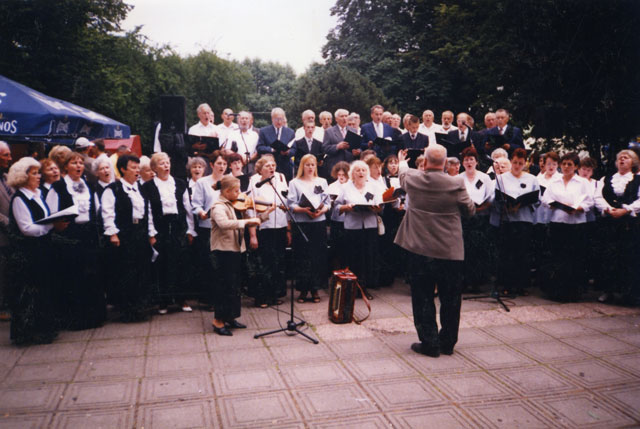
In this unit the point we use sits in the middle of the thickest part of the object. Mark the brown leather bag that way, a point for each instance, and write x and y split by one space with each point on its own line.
342 295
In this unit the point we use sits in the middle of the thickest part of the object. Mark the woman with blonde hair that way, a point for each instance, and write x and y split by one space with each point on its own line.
59 155
309 201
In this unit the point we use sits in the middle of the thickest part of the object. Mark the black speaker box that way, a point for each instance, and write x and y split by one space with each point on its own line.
173 114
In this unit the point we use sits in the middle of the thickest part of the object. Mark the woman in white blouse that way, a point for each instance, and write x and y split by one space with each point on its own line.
515 222
338 244
171 229
50 175
618 199
309 201
203 197
360 201
29 292
567 233
271 238
479 248
83 303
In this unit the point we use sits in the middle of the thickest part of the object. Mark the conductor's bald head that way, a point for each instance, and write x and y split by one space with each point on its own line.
436 156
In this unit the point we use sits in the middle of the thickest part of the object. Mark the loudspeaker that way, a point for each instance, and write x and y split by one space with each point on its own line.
173 114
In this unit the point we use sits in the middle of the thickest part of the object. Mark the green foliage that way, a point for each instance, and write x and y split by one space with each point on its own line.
330 87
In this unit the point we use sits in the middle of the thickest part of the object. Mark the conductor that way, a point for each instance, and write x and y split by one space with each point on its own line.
431 231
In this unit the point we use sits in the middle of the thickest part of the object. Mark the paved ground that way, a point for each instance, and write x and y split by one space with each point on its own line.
541 365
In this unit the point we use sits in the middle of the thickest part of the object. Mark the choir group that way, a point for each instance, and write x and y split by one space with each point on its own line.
89 233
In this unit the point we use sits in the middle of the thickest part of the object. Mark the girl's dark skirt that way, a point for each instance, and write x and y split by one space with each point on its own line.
228 294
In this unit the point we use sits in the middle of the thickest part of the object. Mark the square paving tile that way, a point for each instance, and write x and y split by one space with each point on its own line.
516 333
494 357
171 326
69 336
583 411
258 410
379 368
176 344
336 402
302 353
400 343
444 364
630 362
116 348
22 375
509 414
350 331
550 351
56 352
241 339
360 347
563 328
605 324
232 360
600 345
195 363
30 399
361 422
116 418
405 393
9 355
247 381
178 415
31 421
392 325
122 330
100 394
314 374
111 369
475 337
632 337
594 373
176 388
534 381
438 417
627 397
287 338
474 386
268 319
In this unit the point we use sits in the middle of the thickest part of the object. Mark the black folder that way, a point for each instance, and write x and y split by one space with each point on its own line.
305 202
278 146
353 139
412 156
213 144
524 199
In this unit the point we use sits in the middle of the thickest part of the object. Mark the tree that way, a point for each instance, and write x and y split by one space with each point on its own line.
330 87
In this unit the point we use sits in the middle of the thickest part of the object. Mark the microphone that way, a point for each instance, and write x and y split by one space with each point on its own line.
262 182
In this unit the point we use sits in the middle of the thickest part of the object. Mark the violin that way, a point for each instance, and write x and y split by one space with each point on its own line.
244 202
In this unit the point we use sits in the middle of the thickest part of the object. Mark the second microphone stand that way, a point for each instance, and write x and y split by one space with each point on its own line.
292 325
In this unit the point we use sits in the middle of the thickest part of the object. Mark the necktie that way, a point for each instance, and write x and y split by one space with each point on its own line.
463 137
344 132
6 187
277 133
501 131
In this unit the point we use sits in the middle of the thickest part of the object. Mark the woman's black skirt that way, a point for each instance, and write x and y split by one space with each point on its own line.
363 255
310 257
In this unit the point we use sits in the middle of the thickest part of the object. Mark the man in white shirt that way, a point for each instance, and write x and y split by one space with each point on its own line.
243 141
309 116
227 125
326 119
447 122
205 127
489 121
428 127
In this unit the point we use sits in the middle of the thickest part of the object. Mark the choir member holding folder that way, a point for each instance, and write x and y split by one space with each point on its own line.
568 197
517 195
82 301
478 249
361 201
309 201
29 293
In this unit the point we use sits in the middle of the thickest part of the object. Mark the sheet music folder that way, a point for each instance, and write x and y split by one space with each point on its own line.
68 214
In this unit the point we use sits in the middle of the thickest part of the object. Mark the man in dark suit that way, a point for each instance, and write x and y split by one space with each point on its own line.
432 232
374 129
307 144
271 133
511 135
463 137
334 146
5 203
412 139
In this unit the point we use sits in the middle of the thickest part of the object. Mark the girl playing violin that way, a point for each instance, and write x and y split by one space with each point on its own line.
227 245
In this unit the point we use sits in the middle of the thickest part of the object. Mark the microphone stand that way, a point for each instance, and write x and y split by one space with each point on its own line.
292 326
503 210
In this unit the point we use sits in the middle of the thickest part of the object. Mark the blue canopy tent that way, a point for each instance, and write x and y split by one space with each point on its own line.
29 115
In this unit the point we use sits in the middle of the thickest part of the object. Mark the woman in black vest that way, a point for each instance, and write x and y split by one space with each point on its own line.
125 219
618 199
29 291
82 303
171 227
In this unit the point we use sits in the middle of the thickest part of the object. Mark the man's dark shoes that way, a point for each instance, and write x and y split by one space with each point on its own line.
424 350
234 324
446 350
222 331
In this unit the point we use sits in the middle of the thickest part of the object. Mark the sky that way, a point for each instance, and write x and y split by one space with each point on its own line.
284 31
